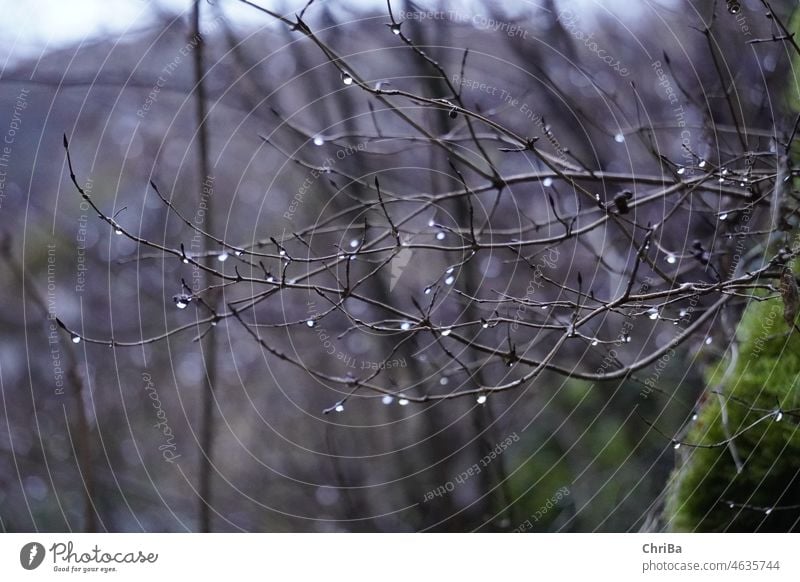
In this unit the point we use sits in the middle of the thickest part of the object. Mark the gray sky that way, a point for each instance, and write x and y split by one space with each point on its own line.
35 26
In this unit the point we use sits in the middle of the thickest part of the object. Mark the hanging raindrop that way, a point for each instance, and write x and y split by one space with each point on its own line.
595 342
339 408
403 401
449 280
405 326
395 28
708 341
444 380
702 164
431 222
347 79
76 339
481 399
485 325
318 140
427 290
446 332
681 171
653 314
387 399
117 230
619 138
353 243
547 182
181 300
671 259
778 415
676 445
222 257
311 323
440 235
768 511
723 216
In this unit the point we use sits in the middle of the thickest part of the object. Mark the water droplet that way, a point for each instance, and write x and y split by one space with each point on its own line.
708 341
117 230
671 259
595 342
730 505
653 314
676 445
353 243
694 416
270 279
481 399
347 79
282 253
318 140
778 415
768 511
181 301
702 164
619 138
352 257
723 216
222 257
387 399
395 28
449 280
339 408
444 380
427 290
75 338
450 270
311 323
724 171
721 180
485 325
440 235
238 253
681 171
547 182
626 338
734 7
185 260
683 313
405 326
431 222
446 332
403 401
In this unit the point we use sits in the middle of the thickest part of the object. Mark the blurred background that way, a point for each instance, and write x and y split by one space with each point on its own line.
117 438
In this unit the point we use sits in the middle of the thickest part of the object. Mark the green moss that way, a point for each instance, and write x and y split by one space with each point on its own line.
766 377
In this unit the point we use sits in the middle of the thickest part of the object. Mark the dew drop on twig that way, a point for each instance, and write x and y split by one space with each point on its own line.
222 257
76 339
387 399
